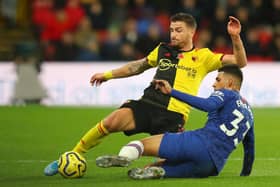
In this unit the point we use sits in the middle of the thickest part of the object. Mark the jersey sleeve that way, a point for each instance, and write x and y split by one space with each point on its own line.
153 57
215 101
213 60
249 152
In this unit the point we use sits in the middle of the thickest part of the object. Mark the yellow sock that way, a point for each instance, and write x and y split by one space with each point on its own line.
91 138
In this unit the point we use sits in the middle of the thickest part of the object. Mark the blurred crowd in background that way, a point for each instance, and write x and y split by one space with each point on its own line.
120 30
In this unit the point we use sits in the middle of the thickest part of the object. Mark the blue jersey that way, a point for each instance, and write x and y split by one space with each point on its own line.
230 121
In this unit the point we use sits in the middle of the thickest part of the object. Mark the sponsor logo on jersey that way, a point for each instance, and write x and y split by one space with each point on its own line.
165 64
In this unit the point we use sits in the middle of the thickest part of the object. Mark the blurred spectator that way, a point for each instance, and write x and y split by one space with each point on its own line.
110 48
59 4
66 49
162 18
207 10
129 30
257 12
129 21
139 8
127 52
220 45
275 12
97 15
147 42
9 11
54 28
57 23
42 13
253 45
219 22
242 13
144 16
274 48
232 6
265 35
74 12
203 38
87 41
190 7
118 13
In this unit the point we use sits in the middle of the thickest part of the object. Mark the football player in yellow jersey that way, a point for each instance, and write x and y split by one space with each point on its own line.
178 62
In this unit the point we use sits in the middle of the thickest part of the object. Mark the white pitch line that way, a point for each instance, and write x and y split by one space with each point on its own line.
30 161
264 159
47 161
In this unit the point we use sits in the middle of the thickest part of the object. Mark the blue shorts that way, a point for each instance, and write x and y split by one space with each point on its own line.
186 156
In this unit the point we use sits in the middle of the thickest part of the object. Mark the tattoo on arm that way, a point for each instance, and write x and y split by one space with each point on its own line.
138 66
236 47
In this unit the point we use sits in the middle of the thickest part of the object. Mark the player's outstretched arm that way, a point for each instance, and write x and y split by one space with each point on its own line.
204 104
239 53
132 68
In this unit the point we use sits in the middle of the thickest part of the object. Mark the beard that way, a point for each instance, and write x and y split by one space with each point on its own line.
176 44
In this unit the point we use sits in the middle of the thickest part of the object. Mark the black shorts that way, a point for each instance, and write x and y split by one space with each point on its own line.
152 119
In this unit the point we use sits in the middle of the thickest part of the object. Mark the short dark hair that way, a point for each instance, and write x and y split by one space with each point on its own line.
187 18
233 70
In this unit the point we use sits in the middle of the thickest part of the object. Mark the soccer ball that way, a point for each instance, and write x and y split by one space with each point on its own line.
72 165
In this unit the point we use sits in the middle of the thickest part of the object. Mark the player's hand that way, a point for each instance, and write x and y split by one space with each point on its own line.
163 86
97 79
234 26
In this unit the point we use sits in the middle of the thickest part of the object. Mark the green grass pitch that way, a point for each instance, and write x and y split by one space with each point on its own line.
32 136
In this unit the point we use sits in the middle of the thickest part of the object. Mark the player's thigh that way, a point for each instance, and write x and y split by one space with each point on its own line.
151 145
186 156
181 147
121 119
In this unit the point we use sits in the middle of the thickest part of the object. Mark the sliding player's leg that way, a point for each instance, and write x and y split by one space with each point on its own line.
133 150
189 169
119 120
186 156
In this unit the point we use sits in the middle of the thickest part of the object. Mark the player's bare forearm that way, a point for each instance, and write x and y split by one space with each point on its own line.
239 54
132 68
239 51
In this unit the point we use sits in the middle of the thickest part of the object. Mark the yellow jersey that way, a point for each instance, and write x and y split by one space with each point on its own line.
184 70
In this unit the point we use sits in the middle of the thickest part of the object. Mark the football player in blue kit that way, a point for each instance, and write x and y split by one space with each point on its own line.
202 152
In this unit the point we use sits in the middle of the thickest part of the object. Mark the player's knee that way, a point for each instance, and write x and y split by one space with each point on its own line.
109 124
119 120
